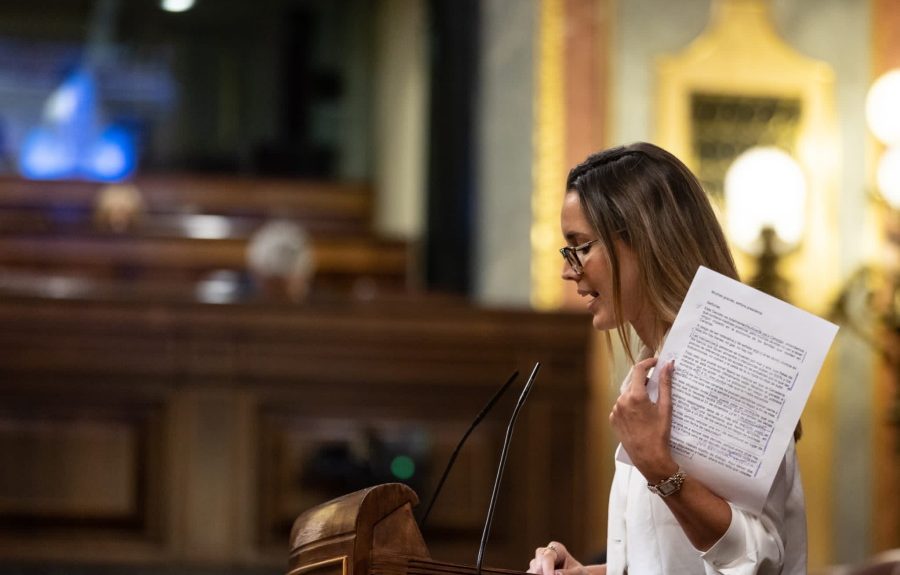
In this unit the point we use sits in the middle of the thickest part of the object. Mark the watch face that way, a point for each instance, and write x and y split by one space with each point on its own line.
667 488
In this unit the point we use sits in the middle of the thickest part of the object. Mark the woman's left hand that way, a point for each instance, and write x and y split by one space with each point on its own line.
554 559
643 427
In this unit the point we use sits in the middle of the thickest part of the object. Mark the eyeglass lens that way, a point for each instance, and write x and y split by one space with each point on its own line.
571 257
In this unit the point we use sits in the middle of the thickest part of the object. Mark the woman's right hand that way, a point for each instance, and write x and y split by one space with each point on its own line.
554 559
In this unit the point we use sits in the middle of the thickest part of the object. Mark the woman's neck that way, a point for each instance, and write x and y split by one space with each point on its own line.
651 333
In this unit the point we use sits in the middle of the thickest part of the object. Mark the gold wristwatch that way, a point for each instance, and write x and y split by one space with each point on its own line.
668 486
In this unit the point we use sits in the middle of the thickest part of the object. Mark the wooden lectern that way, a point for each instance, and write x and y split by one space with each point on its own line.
369 532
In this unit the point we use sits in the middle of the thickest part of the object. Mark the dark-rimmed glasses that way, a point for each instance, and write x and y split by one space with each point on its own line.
570 254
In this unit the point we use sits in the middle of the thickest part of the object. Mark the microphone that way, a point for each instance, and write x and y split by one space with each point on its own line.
484 411
503 454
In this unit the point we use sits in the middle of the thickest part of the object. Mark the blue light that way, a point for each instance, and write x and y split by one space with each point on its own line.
45 156
111 157
71 142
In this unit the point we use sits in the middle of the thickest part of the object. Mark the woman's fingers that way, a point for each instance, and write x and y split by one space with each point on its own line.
644 428
635 396
548 559
638 383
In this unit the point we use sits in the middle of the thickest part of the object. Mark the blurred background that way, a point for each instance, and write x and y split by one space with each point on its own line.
258 254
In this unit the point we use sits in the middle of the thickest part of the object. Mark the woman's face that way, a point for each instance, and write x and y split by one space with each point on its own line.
595 282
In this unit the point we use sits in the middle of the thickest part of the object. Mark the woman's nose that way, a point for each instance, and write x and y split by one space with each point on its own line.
568 272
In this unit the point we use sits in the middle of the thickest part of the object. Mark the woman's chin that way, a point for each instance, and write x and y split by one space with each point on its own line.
603 322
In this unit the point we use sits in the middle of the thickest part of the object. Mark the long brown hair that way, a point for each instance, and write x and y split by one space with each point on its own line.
646 197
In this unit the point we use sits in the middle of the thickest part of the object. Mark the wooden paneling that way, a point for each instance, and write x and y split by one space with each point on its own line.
79 467
96 457
213 426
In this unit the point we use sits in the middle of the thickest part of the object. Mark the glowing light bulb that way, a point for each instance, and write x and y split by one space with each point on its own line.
176 5
882 110
765 187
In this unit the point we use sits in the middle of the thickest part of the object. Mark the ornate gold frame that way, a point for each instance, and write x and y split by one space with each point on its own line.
740 54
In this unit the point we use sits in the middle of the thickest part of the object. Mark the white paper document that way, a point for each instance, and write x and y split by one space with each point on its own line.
745 364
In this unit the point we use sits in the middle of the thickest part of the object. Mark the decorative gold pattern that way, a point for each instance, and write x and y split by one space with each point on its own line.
724 126
549 157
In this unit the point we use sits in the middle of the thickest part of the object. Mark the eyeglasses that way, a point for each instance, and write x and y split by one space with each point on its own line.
570 254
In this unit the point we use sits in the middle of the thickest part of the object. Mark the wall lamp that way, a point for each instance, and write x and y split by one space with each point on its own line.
765 208
883 118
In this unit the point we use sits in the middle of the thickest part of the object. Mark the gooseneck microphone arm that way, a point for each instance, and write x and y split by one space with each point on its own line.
503 455
481 415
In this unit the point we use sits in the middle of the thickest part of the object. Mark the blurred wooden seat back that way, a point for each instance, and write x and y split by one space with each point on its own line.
188 227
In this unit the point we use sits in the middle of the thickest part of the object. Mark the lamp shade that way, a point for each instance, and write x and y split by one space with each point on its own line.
764 187
883 108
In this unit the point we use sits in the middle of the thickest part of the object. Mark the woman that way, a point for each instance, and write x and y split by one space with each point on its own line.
638 225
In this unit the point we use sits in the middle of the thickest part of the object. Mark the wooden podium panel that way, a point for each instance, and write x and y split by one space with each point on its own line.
342 535
368 532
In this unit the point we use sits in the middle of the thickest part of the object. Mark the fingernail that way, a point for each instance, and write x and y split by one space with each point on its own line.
557 573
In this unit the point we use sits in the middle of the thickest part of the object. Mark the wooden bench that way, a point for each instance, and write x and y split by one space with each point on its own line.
192 227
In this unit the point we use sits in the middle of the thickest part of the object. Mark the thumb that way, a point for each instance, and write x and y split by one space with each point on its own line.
638 383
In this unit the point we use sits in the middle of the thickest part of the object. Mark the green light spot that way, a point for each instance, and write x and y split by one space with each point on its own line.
403 467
